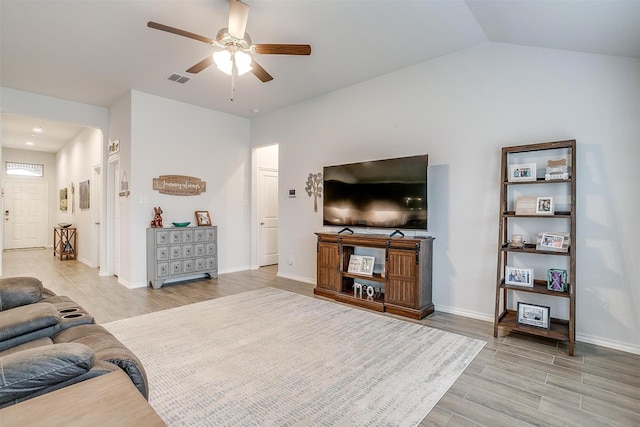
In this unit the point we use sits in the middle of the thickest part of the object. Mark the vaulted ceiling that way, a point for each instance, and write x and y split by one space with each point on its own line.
94 51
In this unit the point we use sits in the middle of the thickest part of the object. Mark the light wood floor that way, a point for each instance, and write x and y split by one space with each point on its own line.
516 380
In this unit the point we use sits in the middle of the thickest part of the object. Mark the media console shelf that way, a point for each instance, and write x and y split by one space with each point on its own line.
403 286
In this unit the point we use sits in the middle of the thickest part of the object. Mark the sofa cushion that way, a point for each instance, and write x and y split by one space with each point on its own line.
31 370
17 291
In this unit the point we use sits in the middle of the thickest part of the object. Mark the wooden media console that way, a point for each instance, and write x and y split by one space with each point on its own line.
402 284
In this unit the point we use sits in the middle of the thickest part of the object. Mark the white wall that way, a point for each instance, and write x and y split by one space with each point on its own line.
460 109
75 162
49 162
173 138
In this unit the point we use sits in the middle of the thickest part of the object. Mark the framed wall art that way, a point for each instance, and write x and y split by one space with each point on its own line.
63 200
84 194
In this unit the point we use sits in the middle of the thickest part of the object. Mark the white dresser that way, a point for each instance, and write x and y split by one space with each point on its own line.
175 254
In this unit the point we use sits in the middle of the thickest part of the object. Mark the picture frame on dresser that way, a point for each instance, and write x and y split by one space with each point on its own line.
203 218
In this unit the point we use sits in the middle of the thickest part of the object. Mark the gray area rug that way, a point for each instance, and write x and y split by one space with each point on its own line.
274 358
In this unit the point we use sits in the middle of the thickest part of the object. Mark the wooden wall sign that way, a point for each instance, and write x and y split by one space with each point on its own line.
179 185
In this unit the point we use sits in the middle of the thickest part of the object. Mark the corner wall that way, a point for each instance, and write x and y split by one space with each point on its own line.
460 109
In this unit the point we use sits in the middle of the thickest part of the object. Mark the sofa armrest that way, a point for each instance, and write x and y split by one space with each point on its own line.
26 319
29 371
18 291
107 348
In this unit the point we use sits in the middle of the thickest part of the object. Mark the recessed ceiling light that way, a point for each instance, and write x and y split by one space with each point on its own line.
38 129
255 110
29 143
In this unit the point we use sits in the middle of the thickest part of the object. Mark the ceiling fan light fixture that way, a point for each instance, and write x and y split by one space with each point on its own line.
222 58
243 62
224 61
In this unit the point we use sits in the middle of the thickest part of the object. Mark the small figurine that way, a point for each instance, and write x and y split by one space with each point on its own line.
157 218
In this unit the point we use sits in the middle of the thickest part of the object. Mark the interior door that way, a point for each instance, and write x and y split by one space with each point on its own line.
268 216
96 212
116 218
25 214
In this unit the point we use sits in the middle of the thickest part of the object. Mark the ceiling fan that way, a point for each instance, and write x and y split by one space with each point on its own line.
235 57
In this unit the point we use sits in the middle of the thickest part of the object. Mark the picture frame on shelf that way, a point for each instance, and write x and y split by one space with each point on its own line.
544 205
361 264
538 316
522 172
553 242
517 276
526 205
203 218
557 280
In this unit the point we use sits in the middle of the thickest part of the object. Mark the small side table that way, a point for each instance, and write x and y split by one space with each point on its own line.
64 242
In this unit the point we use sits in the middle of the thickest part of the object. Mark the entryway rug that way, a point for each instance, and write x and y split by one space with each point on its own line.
275 358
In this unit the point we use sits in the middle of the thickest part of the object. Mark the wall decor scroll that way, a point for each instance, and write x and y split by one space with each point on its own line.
179 185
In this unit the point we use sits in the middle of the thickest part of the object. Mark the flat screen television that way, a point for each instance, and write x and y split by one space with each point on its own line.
390 193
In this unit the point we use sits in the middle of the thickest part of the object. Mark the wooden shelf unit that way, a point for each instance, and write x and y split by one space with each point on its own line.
405 282
561 329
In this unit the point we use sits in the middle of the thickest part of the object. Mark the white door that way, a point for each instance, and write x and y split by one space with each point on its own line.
116 219
268 216
25 214
96 210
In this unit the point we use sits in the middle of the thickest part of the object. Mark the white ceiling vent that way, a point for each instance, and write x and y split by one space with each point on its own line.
179 78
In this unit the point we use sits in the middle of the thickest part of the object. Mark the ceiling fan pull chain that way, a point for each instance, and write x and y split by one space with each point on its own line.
233 74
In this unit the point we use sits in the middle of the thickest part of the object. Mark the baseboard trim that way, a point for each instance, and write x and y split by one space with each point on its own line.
604 342
463 313
297 278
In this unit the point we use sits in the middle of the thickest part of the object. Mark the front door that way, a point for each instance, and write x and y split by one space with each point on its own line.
25 214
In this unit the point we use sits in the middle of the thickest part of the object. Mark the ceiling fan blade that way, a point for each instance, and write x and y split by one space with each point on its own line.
238 15
282 49
260 72
201 65
179 32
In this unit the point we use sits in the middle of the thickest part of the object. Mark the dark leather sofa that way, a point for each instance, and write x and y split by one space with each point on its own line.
48 342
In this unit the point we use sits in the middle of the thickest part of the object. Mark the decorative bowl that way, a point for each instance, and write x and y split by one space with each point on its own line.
180 224
64 225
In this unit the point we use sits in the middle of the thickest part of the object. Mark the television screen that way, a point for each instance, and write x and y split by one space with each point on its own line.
389 193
